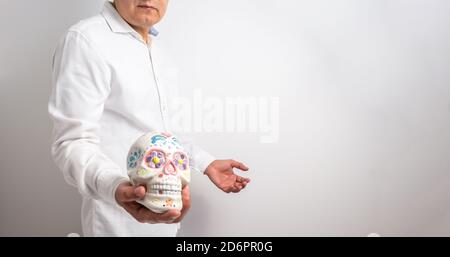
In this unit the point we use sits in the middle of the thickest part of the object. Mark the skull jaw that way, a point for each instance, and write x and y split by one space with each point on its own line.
158 199
161 203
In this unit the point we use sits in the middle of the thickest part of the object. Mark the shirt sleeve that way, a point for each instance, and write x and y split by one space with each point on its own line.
199 158
81 85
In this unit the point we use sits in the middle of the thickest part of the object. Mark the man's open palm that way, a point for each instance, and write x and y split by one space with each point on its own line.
221 173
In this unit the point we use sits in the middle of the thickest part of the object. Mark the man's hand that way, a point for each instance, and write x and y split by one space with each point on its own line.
220 172
127 194
186 198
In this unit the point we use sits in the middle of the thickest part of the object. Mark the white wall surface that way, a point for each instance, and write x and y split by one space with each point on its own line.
364 114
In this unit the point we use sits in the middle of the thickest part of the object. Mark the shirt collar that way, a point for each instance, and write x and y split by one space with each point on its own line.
117 23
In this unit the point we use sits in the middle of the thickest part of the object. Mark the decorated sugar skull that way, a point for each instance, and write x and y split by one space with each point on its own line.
158 161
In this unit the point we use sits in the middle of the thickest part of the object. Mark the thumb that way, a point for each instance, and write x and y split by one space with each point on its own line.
129 193
239 165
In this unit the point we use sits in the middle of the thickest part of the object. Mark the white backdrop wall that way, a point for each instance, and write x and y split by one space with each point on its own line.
364 114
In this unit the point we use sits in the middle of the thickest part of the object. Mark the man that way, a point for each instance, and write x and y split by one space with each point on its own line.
110 86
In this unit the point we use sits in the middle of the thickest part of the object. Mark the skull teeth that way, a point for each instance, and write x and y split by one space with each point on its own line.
165 192
165 188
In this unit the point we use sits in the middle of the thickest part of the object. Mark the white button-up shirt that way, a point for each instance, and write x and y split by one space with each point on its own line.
109 88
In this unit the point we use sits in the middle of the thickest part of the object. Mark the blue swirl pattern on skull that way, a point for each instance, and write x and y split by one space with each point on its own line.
134 157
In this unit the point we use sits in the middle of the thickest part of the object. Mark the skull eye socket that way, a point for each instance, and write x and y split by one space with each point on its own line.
180 160
155 159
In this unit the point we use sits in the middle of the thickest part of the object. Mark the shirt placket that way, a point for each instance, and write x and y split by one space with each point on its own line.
161 96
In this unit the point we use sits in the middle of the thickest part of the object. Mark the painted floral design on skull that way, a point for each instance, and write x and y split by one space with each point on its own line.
158 161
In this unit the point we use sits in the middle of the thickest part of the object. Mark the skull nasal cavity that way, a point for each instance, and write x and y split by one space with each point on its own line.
170 168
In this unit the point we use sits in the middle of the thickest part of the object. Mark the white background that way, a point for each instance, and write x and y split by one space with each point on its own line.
364 90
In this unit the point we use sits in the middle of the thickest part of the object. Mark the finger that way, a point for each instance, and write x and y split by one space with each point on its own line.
130 193
186 195
169 216
236 188
183 213
239 165
186 199
186 204
144 215
227 189
243 185
152 217
185 189
140 192
240 179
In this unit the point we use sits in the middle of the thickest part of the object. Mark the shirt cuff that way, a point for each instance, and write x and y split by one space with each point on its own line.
202 160
107 185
